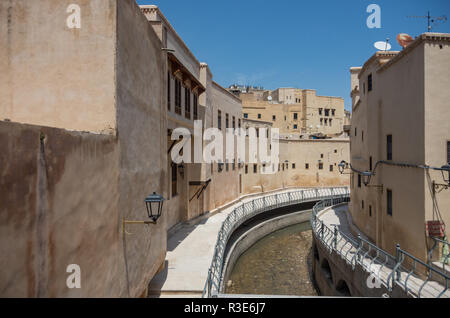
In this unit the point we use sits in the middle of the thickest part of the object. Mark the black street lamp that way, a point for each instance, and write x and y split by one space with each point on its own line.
154 204
342 166
446 169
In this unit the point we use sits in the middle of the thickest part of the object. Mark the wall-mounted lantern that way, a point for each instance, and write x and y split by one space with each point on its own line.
154 204
342 166
445 170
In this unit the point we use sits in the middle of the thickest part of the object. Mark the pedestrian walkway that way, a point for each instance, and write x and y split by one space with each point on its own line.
383 266
190 252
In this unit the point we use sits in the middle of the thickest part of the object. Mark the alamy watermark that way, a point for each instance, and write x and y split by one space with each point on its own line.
263 146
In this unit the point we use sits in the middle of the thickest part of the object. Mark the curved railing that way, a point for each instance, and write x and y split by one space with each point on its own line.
417 278
247 211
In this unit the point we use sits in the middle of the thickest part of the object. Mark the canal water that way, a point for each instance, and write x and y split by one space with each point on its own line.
278 264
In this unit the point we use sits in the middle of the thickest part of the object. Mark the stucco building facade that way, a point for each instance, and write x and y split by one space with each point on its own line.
399 133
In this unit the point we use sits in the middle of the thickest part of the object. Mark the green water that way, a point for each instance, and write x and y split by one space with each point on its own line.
278 264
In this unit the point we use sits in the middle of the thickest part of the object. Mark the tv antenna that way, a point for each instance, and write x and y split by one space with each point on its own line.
432 21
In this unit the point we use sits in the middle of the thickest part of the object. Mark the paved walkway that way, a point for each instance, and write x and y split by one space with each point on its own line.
189 254
381 267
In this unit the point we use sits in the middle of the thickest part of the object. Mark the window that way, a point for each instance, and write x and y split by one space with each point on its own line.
259 116
307 166
295 116
327 112
331 168
359 181
370 210
168 92
356 132
255 168
239 125
362 204
370 163
362 135
227 167
293 166
321 121
320 166
331 120
389 147
448 152
219 120
227 121
245 115
369 83
177 96
195 107
320 111
321 155
335 150
274 118
389 202
174 179
246 169
187 103
220 167
333 112
234 122
295 127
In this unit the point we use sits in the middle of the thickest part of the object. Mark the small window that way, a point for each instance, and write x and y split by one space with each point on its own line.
259 116
255 168
219 120
369 83
359 181
333 112
370 163
320 111
356 132
174 179
327 112
320 166
389 202
234 122
220 167
187 103
389 147
362 204
227 121
227 167
246 169
362 135
307 166
274 117
370 210
448 152
295 127
335 150
168 91
321 155
195 107
245 115
331 168
295 116
293 166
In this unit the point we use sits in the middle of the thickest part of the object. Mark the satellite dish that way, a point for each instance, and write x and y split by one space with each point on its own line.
404 39
269 98
382 46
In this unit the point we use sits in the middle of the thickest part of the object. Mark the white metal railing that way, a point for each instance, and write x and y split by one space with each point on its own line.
250 209
414 276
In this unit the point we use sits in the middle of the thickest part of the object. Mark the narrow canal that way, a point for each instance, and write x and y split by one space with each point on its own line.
278 264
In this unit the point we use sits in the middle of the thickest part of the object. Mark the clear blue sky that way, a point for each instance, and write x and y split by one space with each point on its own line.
292 43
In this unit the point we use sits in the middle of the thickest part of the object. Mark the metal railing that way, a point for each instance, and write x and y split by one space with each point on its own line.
414 276
249 210
445 259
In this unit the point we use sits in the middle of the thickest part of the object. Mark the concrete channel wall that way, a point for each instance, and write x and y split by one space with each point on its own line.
256 233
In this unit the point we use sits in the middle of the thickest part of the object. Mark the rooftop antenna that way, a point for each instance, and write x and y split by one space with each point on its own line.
432 21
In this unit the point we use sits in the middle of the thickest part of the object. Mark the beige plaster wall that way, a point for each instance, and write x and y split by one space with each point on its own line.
44 65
